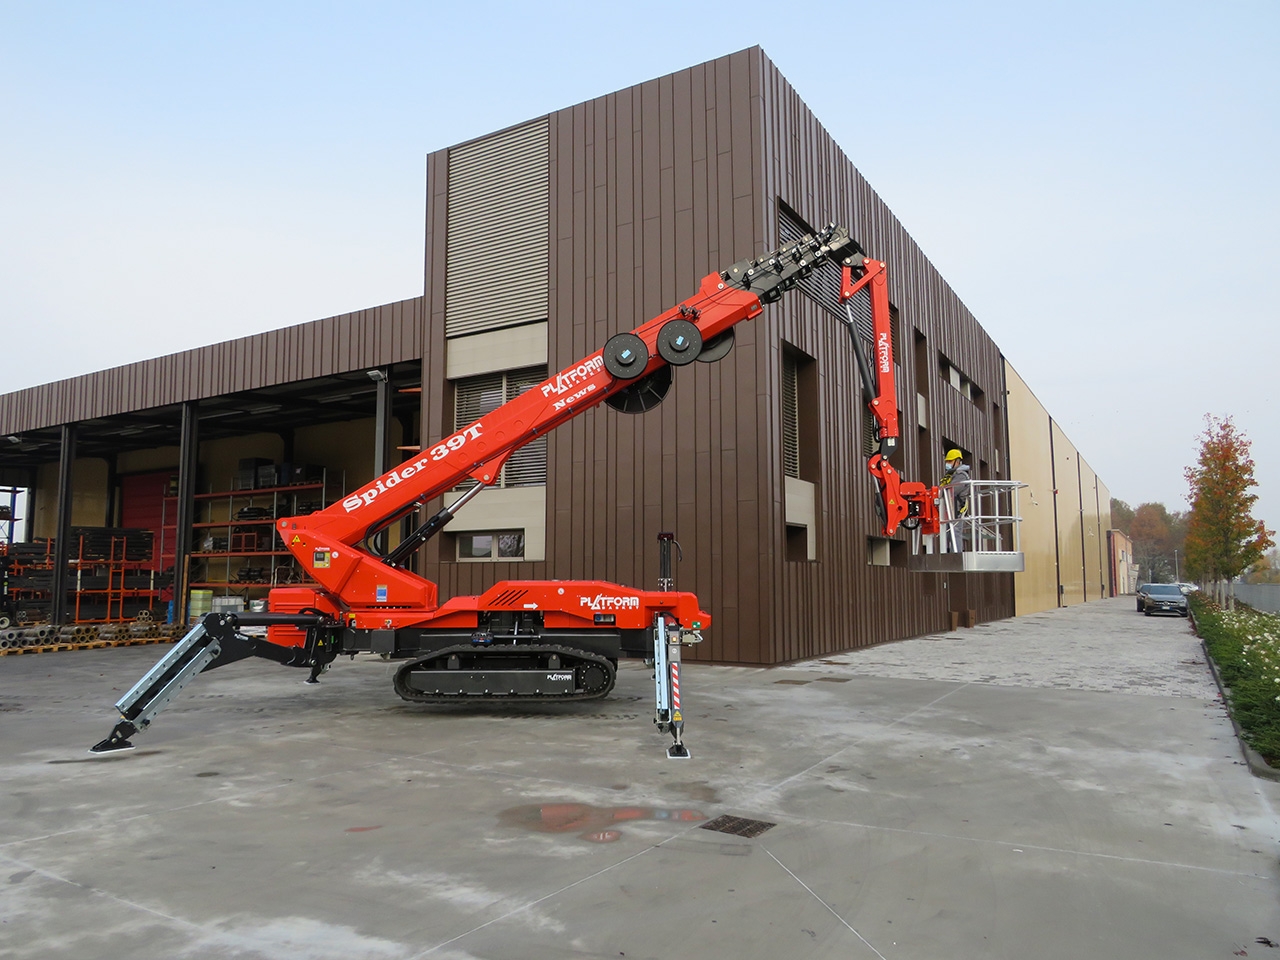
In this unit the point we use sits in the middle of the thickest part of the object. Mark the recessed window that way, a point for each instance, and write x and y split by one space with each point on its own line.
790 418
956 378
800 443
491 545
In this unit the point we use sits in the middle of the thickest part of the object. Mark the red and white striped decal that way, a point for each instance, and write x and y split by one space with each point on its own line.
675 687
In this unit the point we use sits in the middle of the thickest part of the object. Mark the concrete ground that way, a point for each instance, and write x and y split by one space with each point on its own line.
1064 785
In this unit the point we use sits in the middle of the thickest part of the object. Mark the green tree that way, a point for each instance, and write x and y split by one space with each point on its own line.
1121 515
1223 539
1159 542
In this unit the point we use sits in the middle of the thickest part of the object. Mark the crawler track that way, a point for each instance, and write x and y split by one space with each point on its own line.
527 673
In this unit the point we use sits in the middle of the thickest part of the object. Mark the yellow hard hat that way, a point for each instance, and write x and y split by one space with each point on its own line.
954 455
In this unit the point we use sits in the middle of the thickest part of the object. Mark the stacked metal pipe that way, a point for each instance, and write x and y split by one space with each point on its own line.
17 638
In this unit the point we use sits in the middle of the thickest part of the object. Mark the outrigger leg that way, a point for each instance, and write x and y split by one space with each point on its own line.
212 642
667 638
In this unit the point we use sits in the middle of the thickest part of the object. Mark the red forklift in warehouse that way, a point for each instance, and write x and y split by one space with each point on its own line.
542 640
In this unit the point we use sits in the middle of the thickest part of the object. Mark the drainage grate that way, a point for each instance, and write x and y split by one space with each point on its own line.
738 826
834 679
798 683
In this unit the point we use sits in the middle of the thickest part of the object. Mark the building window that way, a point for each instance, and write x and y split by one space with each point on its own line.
800 443
491 545
790 418
958 381
475 397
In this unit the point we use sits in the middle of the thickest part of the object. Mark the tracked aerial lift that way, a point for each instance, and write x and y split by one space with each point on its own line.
527 640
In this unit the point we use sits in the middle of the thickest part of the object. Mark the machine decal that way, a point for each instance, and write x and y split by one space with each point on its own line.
394 478
602 602
567 380
561 404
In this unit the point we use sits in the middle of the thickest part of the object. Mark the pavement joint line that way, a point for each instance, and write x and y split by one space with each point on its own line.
96 891
830 909
545 898
853 743
1040 848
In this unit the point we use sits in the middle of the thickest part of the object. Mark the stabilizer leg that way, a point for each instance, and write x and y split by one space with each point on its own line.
666 675
212 642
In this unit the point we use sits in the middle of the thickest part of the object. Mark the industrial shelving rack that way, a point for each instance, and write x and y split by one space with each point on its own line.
237 528
110 585
111 580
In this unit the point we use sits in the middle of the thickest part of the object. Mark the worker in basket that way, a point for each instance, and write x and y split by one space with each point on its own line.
955 477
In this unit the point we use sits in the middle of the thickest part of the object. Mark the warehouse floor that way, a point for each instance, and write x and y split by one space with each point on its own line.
1063 785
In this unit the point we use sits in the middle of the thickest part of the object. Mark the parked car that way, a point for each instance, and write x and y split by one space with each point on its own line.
1162 598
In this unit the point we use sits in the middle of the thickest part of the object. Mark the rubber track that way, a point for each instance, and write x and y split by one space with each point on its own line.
572 655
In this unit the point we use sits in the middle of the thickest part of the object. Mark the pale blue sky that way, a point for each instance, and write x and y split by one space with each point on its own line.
1096 180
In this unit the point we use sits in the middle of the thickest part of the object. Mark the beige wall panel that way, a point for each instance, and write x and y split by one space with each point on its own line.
220 459
1093 532
1104 524
1071 551
344 449
509 508
508 349
88 497
1036 588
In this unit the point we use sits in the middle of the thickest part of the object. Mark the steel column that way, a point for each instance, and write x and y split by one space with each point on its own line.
62 541
382 434
188 464
382 422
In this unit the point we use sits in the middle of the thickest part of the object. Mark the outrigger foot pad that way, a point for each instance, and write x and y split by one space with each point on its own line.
678 751
118 742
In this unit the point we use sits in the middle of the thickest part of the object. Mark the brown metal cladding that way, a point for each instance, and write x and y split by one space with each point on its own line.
652 188
352 341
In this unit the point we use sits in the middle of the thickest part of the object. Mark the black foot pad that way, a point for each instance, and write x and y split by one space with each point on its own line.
111 745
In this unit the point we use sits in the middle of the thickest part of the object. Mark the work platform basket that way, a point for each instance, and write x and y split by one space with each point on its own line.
986 538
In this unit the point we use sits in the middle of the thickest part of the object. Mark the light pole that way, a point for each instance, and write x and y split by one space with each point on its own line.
1176 578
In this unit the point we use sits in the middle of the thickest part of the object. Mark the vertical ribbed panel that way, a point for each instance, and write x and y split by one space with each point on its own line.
498 222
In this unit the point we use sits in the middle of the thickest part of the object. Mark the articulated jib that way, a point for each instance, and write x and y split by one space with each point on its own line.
528 672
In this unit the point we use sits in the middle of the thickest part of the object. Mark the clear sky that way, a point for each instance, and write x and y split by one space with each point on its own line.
1097 180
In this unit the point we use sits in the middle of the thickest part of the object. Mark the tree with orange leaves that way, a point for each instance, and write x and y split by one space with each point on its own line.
1223 539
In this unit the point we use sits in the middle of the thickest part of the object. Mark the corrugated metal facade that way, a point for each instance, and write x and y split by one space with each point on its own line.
375 337
651 188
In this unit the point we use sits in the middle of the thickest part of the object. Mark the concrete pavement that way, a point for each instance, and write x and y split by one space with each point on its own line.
1062 785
